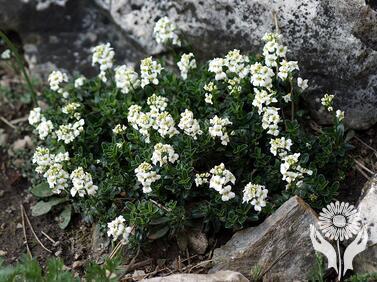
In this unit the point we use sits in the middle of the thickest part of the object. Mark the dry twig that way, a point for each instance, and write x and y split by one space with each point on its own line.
24 231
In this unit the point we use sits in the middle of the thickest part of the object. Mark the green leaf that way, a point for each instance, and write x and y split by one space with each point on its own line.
41 190
65 217
159 233
160 220
44 207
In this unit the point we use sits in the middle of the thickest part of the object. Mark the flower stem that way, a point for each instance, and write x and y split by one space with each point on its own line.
340 261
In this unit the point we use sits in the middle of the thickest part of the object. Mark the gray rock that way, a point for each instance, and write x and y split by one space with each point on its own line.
60 36
280 246
221 276
334 41
367 260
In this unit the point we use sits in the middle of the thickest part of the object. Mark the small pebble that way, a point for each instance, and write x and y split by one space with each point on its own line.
3 253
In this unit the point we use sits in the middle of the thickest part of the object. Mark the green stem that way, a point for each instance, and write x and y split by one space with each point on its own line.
21 65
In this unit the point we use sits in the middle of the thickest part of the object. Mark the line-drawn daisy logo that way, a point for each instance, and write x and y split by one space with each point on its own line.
339 222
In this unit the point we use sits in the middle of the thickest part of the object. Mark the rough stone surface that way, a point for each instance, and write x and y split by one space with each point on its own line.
221 276
334 41
367 260
60 36
280 246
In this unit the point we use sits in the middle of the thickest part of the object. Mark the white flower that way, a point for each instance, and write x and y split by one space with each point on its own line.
57 178
218 129
274 37
164 153
82 183
226 193
339 115
118 229
281 146
327 101
119 129
255 195
6 55
270 120
216 66
339 221
261 76
103 55
237 63
126 79
286 68
165 31
165 125
44 128
79 82
210 87
68 132
140 121
149 70
220 181
42 158
208 98
189 125
186 63
70 109
60 157
262 98
201 178
302 83
157 104
55 79
146 176
35 116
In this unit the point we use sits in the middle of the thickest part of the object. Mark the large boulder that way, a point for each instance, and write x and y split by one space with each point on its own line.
60 33
280 247
334 41
221 276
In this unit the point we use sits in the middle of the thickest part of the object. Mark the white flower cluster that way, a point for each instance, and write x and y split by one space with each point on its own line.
262 99
291 171
35 116
237 63
126 79
68 132
82 183
164 153
216 66
270 120
302 83
287 67
220 180
149 70
261 76
44 128
255 195
327 101
272 50
146 176
103 55
165 31
157 104
186 64
118 229
234 85
79 82
280 146
6 55
218 129
70 109
189 125
202 178
210 88
119 129
55 79
140 121
339 115
51 166
165 125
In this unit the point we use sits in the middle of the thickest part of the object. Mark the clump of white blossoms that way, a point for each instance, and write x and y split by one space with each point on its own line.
287 67
35 116
202 178
237 63
126 79
327 102
70 109
118 229
302 83
272 50
57 178
149 70
157 104
255 195
68 132
220 181
292 171
119 129
270 120
262 99
280 146
164 153
165 31
42 158
210 88
339 115
216 66
79 82
146 176
103 55
140 121
218 129
82 183
5 55
186 64
261 76
189 125
55 79
44 128
165 125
